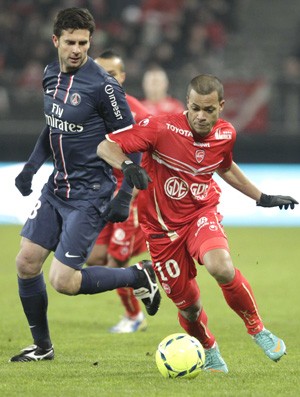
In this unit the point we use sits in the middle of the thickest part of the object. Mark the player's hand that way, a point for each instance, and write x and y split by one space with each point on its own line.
118 208
135 175
24 180
277 201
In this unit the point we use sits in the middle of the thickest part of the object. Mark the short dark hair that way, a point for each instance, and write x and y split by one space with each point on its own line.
73 18
110 54
205 84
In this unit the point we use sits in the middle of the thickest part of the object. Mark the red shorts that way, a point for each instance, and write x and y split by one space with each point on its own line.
173 259
124 239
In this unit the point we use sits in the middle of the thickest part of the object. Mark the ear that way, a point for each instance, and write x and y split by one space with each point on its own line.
222 103
55 41
123 77
187 99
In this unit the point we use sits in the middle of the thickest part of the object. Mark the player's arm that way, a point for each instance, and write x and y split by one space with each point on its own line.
238 180
113 154
39 155
134 176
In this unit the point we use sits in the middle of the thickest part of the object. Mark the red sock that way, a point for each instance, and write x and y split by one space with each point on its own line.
240 298
198 329
130 302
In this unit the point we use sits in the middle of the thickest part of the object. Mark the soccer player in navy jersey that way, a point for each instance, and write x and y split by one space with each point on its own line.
178 210
81 103
118 242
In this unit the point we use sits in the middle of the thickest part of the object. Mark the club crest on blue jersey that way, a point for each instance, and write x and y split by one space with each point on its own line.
75 99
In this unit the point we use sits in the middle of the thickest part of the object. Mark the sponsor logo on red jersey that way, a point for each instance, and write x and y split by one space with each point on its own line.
176 188
223 134
179 131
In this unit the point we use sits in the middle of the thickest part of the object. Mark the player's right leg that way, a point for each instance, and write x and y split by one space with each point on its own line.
33 296
193 320
36 244
176 272
127 240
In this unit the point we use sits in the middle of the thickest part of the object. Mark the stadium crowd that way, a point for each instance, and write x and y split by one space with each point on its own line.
181 35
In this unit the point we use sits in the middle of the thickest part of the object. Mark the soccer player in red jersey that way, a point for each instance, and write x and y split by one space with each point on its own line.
118 242
157 101
178 211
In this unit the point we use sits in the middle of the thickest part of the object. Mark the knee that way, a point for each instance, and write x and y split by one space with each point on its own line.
191 313
62 286
27 267
224 274
65 283
219 265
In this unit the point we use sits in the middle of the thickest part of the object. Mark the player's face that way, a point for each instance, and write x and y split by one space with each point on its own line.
155 84
114 67
203 111
72 47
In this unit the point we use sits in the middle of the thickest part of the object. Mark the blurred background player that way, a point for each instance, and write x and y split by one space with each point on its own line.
118 242
157 100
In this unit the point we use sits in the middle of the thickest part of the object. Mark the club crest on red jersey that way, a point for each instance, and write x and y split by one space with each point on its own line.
199 155
166 288
144 122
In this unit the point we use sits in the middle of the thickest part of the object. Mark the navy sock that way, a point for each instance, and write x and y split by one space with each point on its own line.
97 279
34 299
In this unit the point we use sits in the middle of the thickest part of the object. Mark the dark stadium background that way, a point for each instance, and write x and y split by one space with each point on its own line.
242 42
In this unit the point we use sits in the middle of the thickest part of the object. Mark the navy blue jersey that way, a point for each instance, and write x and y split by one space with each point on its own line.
80 108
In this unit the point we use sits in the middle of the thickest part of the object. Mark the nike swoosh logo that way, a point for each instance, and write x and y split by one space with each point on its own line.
32 326
68 255
277 348
48 91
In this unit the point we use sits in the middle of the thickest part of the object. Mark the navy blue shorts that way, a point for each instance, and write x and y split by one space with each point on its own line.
69 230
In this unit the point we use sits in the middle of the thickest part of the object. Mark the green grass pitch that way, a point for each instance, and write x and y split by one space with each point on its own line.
91 362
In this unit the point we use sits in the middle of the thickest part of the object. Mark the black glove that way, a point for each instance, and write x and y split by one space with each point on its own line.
276 201
118 208
24 179
135 175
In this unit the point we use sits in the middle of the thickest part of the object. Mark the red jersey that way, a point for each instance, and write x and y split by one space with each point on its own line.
181 165
139 112
167 105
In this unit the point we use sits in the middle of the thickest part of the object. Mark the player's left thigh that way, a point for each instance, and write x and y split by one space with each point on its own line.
80 229
207 243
